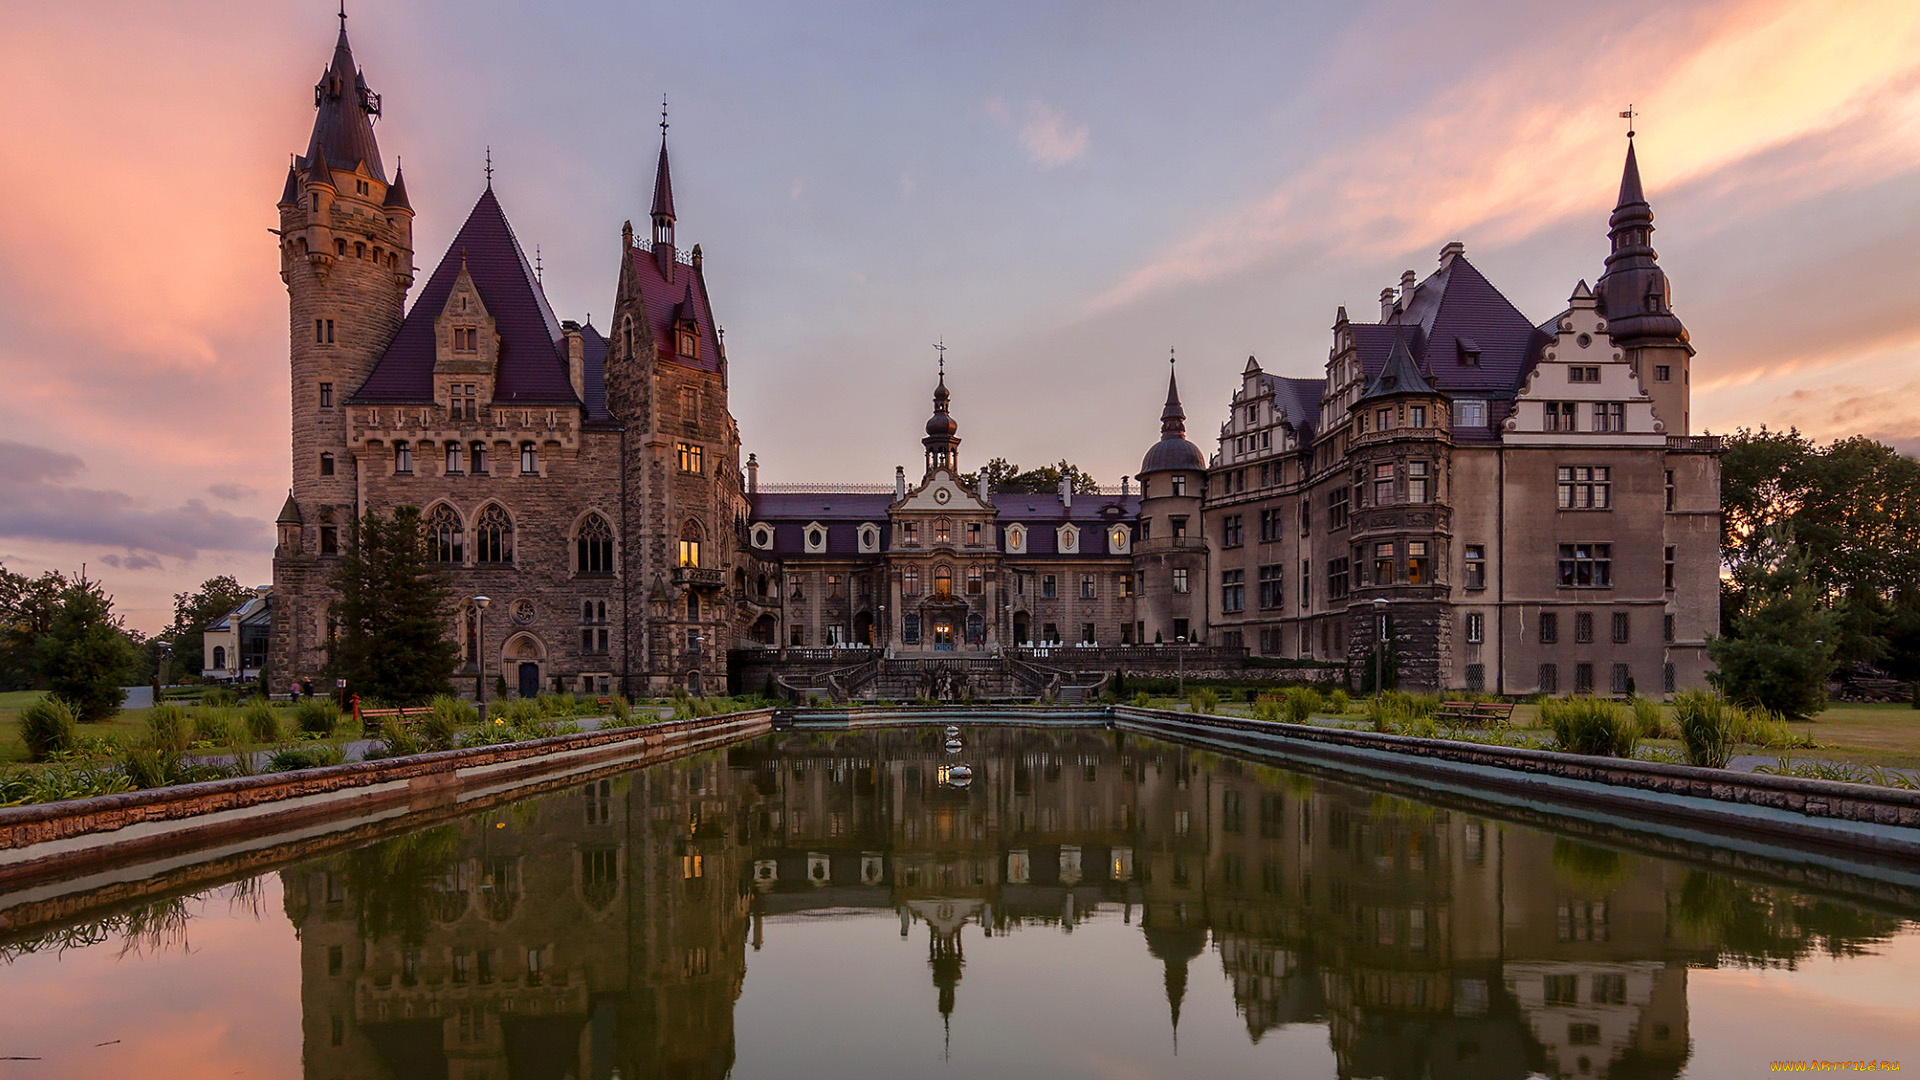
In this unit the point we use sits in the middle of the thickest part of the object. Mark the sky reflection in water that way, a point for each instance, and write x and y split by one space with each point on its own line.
813 906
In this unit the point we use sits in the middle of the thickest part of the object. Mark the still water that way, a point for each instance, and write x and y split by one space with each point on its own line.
1089 906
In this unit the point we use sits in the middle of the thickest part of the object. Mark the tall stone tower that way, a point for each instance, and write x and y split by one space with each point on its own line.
346 255
1637 301
685 504
1170 554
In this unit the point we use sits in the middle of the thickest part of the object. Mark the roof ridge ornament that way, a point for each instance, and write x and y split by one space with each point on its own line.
1628 116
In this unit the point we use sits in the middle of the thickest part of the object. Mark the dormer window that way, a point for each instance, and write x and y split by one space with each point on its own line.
1069 539
466 339
869 538
1016 539
763 536
816 536
1117 539
686 345
1469 351
361 187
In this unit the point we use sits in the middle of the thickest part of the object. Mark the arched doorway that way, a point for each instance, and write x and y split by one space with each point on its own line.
863 628
520 659
529 679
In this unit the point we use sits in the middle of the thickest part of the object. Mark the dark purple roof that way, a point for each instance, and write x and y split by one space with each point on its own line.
663 185
533 364
667 299
1457 311
1299 401
342 127
843 513
397 194
593 371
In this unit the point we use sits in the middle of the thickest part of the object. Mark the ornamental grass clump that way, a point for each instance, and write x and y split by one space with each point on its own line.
290 758
47 727
169 730
1709 726
1203 700
216 726
317 717
1270 708
1338 702
1651 719
1588 725
1301 702
262 723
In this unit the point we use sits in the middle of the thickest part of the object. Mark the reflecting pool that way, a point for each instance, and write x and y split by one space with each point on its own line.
1087 905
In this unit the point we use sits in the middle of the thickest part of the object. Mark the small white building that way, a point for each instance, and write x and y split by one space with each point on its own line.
234 646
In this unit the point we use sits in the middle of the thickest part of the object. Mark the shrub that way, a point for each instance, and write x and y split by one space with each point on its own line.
1269 708
564 705
1768 730
58 783
1586 725
1709 726
47 727
1205 699
396 740
1143 700
491 733
439 729
289 758
169 731
262 725
1338 701
316 716
219 697
1651 719
150 766
619 710
216 726
1419 727
1300 703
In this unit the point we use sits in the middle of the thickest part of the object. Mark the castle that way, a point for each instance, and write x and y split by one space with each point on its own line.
1477 500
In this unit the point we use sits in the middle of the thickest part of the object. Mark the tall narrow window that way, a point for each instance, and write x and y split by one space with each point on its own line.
690 537
1549 628
910 581
1180 579
593 547
1476 627
1622 627
976 582
1233 590
1417 481
454 456
1271 586
329 539
943 583
1669 489
529 459
326 464
1475 566
403 457
493 536
1383 483
1417 562
446 534
326 402
479 459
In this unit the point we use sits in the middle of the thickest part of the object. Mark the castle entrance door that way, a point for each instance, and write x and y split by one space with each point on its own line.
942 634
529 680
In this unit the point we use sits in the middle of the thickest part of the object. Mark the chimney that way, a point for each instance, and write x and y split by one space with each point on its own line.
697 258
753 474
1447 253
1066 491
899 482
983 489
1407 280
1126 486
1386 303
577 361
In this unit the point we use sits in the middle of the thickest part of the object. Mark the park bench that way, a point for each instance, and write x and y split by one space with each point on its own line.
1473 713
401 716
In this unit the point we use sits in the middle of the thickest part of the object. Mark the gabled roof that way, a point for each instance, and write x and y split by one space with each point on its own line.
342 126
1298 401
533 362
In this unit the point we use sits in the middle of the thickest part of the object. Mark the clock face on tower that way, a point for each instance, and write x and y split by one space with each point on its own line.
941 495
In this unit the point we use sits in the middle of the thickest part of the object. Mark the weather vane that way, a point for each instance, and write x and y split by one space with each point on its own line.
1628 117
489 168
941 348
663 116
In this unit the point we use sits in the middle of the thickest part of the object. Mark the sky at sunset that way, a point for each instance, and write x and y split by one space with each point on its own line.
1062 192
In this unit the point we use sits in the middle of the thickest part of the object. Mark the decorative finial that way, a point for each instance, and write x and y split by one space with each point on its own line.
1628 117
539 271
663 117
1170 357
490 171
343 16
941 348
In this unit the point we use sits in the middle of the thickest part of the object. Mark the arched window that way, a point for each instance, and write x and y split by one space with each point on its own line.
220 657
593 547
943 582
493 536
446 535
690 536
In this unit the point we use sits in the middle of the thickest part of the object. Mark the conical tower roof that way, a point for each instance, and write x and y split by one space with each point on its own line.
1173 451
1401 375
1633 292
343 122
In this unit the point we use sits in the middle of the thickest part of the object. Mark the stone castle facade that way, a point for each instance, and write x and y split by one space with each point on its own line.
1486 502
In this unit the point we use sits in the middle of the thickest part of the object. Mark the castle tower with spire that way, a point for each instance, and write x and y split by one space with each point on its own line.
1637 302
1170 548
346 256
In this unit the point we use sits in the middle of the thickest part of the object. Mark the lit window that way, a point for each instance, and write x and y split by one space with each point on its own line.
690 537
943 531
943 583
692 457
1416 562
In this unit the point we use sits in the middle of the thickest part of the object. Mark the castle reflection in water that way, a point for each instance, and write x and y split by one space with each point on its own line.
607 931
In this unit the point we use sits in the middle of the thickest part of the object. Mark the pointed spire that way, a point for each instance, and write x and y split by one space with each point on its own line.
1400 375
943 440
397 194
1630 190
345 110
289 511
318 170
1173 418
290 194
663 176
1633 292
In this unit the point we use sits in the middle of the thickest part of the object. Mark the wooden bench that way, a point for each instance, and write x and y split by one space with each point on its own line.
1473 713
402 716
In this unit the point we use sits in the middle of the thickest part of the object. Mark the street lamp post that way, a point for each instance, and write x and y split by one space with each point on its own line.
1180 661
479 651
